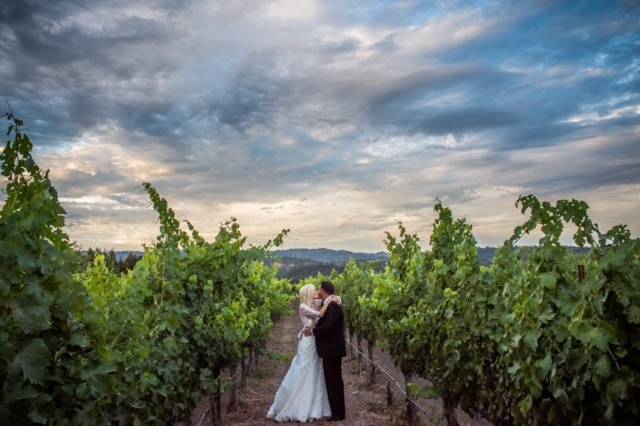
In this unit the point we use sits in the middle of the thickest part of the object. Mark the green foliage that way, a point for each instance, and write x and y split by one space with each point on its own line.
93 346
48 333
527 340
523 341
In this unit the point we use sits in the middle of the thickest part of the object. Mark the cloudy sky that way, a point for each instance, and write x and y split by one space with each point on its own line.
335 119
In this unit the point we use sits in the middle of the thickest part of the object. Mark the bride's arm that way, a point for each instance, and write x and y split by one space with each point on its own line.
324 309
332 299
309 311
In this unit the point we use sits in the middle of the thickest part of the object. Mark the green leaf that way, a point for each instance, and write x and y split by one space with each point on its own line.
634 314
36 417
516 339
17 393
531 339
33 360
617 389
544 365
525 405
514 368
79 339
548 280
30 317
426 391
603 366
597 338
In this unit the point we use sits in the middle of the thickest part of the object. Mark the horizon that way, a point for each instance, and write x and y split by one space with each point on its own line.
333 119
103 249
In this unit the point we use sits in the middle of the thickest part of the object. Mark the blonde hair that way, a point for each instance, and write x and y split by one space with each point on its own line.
306 294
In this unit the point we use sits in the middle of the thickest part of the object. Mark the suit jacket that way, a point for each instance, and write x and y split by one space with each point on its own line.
329 333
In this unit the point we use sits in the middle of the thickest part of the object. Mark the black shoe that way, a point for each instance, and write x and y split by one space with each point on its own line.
336 419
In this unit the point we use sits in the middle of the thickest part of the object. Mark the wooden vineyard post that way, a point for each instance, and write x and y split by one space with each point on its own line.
243 371
256 358
411 416
351 355
214 403
449 409
581 273
372 367
233 399
359 358
389 394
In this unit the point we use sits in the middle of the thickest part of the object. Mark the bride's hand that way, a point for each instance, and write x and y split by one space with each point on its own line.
335 299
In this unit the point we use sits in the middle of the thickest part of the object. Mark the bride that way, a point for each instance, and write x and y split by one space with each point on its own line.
302 395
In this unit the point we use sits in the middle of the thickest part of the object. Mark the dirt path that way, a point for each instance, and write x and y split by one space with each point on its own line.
365 405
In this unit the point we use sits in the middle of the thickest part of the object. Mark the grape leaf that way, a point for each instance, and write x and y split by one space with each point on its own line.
33 360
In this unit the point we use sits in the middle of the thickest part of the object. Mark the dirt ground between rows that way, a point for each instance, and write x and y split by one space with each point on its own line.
365 405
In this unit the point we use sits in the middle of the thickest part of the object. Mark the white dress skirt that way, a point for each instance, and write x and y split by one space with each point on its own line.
302 395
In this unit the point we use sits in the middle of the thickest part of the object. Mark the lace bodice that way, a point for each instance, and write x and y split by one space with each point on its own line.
308 315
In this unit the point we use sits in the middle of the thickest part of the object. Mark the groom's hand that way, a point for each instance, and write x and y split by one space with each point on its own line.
308 332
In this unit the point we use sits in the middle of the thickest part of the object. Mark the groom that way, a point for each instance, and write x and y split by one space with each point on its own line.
329 334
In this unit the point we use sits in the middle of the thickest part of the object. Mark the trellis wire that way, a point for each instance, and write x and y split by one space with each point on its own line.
398 385
378 368
203 416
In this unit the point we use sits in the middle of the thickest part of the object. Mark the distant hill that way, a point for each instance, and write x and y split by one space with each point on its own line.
298 263
329 256
297 269
321 255
485 254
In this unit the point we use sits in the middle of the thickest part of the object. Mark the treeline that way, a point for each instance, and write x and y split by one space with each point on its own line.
297 270
111 260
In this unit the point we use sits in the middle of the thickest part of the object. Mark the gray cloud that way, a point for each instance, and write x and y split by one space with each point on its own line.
241 108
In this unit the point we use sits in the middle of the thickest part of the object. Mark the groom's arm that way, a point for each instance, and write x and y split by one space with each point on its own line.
330 321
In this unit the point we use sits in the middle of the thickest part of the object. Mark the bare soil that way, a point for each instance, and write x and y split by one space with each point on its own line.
365 405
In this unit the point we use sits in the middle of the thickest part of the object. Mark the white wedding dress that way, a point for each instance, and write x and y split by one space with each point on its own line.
302 395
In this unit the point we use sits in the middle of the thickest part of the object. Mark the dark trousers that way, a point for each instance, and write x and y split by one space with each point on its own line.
335 385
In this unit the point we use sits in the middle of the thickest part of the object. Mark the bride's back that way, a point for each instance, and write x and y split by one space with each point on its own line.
309 314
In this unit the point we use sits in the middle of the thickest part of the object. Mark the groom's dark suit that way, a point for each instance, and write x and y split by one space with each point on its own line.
329 334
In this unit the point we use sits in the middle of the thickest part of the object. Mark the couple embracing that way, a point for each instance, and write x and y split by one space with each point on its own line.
313 389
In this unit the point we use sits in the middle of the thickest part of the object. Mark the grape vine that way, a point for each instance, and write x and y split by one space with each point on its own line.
527 340
540 336
89 346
